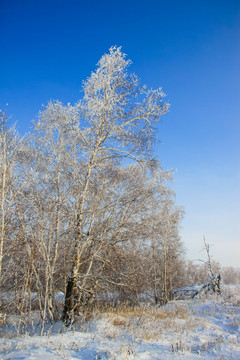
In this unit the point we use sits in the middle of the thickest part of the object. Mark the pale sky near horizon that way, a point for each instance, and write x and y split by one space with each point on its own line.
190 48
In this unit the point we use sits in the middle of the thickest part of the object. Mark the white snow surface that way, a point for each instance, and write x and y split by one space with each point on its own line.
206 328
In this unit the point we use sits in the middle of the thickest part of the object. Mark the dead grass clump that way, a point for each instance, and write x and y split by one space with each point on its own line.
126 312
3 318
119 322
156 314
139 316
151 336
166 314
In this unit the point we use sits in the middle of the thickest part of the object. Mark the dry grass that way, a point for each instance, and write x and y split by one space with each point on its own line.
151 323
3 318
151 336
119 322
155 314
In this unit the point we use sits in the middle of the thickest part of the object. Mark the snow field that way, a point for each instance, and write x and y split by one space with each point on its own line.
187 329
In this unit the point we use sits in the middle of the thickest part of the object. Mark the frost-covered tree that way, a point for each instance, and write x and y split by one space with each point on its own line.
166 250
119 116
45 207
8 145
125 229
230 275
91 209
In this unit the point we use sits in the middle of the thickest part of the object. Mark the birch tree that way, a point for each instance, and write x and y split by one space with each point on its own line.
8 144
87 187
46 169
119 115
85 208
167 250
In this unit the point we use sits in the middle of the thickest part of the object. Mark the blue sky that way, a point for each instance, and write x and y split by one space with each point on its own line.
190 48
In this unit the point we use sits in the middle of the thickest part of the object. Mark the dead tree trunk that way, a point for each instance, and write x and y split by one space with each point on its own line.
212 284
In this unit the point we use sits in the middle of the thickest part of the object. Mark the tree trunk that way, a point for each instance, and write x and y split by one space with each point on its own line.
69 301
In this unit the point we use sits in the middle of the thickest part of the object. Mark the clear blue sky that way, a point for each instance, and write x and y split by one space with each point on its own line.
190 48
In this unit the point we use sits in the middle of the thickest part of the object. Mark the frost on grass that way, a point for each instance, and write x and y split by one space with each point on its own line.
203 328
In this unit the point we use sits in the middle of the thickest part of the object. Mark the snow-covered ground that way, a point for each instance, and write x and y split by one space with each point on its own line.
202 328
